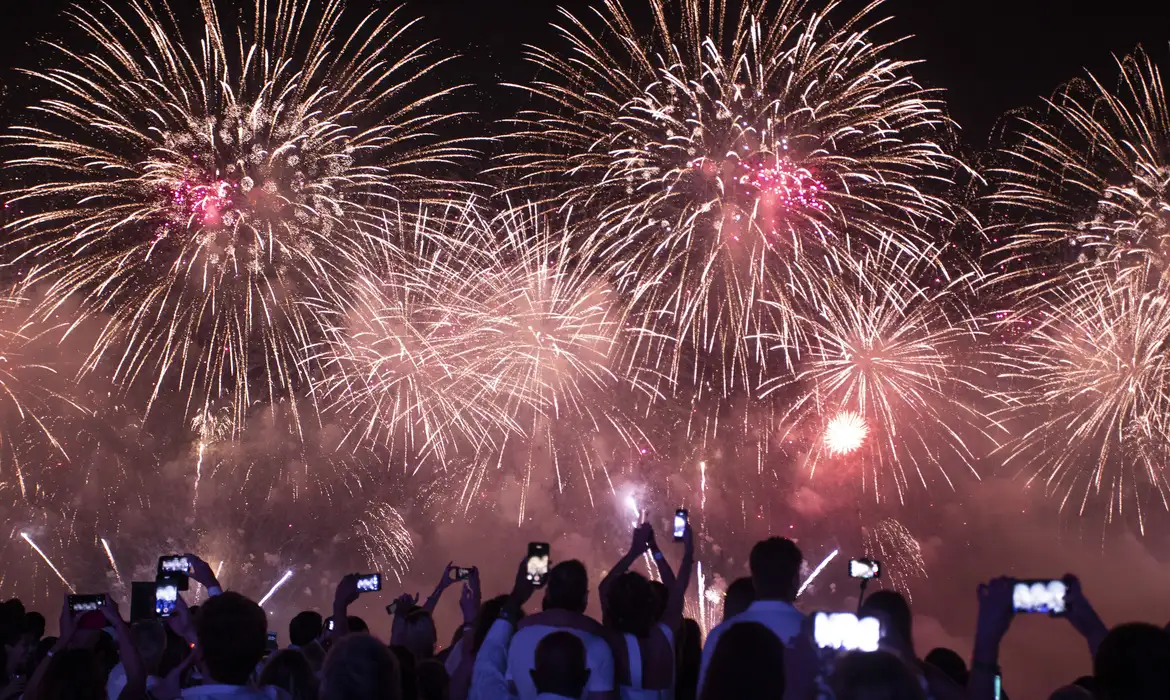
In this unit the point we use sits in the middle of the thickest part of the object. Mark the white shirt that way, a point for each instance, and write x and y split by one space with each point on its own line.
237 692
491 664
116 683
778 616
522 656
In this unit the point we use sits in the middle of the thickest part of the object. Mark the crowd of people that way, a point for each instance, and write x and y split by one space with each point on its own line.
642 648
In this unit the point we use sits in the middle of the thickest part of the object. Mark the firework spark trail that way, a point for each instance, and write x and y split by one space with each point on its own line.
110 556
703 622
727 154
816 572
283 579
887 378
193 193
891 543
48 561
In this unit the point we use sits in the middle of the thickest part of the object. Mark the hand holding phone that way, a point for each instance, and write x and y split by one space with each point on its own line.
175 567
459 573
1039 596
166 597
369 583
865 568
538 561
79 604
680 524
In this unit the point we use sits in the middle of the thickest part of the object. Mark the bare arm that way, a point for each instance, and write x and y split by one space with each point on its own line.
664 570
673 615
131 660
445 581
642 534
995 616
67 628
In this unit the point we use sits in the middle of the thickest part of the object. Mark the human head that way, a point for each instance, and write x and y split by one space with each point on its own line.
1070 692
407 671
358 667
660 595
488 613
1133 663
568 587
304 628
289 670
740 594
892 610
233 637
748 661
357 625
73 674
877 675
433 681
34 626
150 639
630 604
418 633
559 665
775 566
949 662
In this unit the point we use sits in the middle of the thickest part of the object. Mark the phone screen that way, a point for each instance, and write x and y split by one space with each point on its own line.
537 563
864 568
1039 597
680 523
166 595
460 573
369 583
329 624
847 632
87 603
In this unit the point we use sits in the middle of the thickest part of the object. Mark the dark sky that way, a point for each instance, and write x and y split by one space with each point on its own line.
990 55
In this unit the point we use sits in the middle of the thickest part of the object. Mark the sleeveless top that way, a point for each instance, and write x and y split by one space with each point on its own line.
635 691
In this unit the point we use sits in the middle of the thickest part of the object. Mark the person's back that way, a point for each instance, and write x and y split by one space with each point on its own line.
559 666
949 662
688 652
433 681
232 634
878 675
1133 663
643 648
775 568
73 674
150 638
359 667
566 597
289 670
747 662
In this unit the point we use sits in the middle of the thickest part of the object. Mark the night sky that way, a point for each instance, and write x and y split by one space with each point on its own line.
990 56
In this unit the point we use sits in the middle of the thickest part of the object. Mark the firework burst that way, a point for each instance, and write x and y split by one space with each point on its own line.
884 383
724 150
900 554
196 191
1090 386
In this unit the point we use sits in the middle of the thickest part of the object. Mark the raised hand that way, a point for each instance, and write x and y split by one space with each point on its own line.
643 534
1081 614
201 571
347 591
470 597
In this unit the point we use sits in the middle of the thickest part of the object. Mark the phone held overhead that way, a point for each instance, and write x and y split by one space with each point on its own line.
537 564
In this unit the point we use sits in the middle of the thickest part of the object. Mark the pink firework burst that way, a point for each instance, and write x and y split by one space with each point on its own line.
784 184
206 201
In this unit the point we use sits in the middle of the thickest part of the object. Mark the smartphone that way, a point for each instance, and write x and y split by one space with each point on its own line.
537 563
166 596
865 568
369 583
846 632
460 573
680 524
175 567
329 624
392 608
87 603
1039 596
272 645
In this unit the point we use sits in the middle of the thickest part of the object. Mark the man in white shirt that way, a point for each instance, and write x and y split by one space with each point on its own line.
775 567
233 636
560 671
565 602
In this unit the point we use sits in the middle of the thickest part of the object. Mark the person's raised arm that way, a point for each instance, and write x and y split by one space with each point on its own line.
641 539
469 605
343 597
401 608
664 571
202 573
444 581
131 660
489 674
1082 616
66 629
995 616
673 615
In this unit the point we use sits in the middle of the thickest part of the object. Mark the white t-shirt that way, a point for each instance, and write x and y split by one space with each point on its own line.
522 655
778 616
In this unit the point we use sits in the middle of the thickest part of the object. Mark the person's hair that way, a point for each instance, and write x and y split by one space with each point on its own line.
34 625
150 639
630 605
407 671
433 681
688 653
289 670
739 596
304 628
358 667
357 625
1133 663
73 674
560 666
775 566
748 662
949 662
1070 692
876 675
568 587
893 610
660 595
489 612
419 634
233 637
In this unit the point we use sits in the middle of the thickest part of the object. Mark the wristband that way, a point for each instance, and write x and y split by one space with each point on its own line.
213 591
658 556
